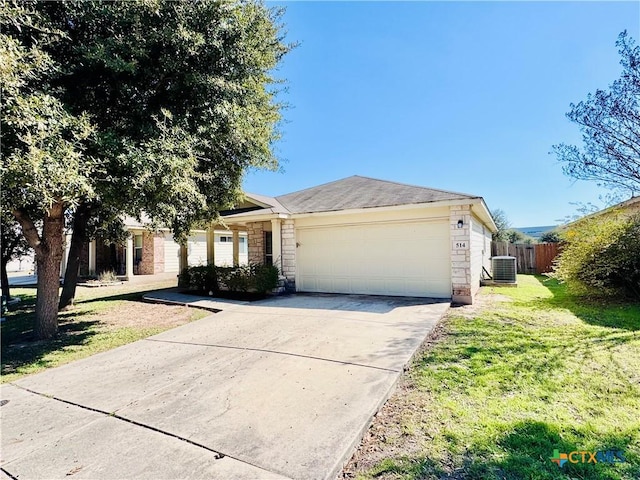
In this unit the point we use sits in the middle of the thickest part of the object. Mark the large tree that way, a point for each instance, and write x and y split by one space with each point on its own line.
610 124
180 98
44 169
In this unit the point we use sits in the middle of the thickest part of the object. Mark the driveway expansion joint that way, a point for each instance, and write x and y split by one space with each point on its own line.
12 477
218 455
276 352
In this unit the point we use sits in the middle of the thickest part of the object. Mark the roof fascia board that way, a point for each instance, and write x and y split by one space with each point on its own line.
482 211
412 206
263 217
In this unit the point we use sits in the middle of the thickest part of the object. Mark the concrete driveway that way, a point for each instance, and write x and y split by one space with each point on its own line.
282 388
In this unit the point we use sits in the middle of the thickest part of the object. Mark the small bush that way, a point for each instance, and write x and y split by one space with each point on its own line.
266 277
199 278
239 279
108 276
551 236
602 256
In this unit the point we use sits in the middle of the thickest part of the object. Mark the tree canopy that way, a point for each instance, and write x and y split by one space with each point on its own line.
610 124
502 223
132 106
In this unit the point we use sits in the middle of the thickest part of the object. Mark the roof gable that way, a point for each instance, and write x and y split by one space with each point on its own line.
362 192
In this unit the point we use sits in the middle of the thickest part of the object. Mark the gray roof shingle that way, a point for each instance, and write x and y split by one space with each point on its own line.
362 192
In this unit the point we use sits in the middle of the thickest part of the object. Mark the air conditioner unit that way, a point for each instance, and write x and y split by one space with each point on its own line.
504 269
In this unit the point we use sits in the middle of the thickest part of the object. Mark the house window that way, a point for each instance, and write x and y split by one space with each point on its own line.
137 249
242 245
268 248
224 239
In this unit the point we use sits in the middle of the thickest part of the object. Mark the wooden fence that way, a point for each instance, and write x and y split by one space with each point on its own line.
535 258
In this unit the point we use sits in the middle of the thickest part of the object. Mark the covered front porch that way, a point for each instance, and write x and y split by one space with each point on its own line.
271 241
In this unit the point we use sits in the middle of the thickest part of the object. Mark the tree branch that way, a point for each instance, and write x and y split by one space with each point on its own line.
29 230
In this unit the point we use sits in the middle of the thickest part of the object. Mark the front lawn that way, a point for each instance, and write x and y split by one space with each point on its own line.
527 371
102 319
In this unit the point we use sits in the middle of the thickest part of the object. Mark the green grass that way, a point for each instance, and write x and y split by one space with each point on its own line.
102 319
511 382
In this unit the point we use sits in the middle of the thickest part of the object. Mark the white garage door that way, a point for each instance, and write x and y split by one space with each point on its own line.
171 254
411 259
197 249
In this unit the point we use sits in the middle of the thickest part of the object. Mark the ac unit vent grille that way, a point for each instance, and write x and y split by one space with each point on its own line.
504 269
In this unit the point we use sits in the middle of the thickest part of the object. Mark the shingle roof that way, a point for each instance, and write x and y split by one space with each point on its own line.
362 192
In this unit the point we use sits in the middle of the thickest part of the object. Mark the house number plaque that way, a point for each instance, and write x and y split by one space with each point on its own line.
461 244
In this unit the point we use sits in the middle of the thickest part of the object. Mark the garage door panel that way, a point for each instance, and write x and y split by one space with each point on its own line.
197 249
171 254
383 259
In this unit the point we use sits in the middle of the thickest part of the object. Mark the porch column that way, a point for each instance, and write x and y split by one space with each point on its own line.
211 251
276 247
92 257
236 247
184 257
129 259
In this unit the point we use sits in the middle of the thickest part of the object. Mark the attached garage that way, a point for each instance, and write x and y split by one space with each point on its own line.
360 235
406 259
197 249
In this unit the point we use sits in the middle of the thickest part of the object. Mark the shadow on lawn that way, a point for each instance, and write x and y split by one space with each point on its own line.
524 450
136 296
603 312
19 347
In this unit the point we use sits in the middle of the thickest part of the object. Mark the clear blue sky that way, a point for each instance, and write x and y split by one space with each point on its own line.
462 96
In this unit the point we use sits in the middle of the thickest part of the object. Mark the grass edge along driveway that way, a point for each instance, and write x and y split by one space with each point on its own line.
101 319
526 371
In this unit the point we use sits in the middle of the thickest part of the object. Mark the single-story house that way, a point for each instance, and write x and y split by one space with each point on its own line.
360 235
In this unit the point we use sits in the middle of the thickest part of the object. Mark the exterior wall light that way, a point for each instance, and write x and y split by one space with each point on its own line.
460 223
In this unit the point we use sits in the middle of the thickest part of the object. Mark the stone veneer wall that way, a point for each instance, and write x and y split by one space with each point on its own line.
255 239
461 254
289 252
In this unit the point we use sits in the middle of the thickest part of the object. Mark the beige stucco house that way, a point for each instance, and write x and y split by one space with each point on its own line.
360 235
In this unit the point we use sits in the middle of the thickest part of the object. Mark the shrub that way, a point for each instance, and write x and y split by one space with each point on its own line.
552 236
266 277
239 279
199 278
108 276
602 256
246 278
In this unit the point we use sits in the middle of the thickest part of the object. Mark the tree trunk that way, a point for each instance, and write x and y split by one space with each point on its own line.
49 260
6 293
78 240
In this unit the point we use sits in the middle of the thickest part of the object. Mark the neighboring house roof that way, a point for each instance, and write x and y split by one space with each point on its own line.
630 206
362 192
